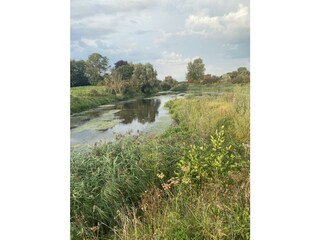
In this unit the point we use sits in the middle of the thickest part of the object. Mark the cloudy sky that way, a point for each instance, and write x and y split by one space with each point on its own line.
166 33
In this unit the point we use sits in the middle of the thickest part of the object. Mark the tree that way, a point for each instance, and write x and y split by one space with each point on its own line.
126 71
225 77
196 71
208 79
168 83
242 75
120 63
144 77
78 73
96 67
114 83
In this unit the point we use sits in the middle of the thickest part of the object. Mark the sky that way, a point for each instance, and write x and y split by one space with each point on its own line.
166 33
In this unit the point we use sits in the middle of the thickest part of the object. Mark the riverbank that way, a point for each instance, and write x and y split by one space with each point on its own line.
88 97
191 182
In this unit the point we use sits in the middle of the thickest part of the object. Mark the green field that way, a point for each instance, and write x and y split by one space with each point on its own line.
191 182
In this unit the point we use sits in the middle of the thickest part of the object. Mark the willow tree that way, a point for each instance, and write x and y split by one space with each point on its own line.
145 77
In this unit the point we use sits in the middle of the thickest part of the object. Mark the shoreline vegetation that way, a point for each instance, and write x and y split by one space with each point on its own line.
191 182
84 98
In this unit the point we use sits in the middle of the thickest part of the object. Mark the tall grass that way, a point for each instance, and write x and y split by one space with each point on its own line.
205 113
204 89
219 210
112 177
103 181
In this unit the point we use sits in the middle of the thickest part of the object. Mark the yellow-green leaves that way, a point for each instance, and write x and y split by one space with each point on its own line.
200 164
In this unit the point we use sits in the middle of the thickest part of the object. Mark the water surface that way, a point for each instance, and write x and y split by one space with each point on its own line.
140 116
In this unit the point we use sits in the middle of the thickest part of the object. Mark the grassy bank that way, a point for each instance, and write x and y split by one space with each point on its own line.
192 182
201 88
88 97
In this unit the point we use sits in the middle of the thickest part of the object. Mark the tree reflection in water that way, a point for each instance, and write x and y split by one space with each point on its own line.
144 110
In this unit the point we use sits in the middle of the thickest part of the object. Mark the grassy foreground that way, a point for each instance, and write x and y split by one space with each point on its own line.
192 182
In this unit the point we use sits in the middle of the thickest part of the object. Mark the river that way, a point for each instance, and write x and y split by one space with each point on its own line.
105 123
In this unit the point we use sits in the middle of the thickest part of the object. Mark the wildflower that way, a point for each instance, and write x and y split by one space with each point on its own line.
160 175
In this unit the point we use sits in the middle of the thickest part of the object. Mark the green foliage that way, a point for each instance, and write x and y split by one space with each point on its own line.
145 78
120 63
209 79
196 71
242 75
216 211
126 71
126 78
168 83
78 73
199 164
96 67
87 97
180 87
104 181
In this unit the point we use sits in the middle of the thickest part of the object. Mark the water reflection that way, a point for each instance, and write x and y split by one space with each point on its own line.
147 116
143 110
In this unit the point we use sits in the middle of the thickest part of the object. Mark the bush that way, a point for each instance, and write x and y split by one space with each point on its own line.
200 164
180 88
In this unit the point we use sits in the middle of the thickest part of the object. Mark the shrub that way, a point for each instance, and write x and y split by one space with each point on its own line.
199 164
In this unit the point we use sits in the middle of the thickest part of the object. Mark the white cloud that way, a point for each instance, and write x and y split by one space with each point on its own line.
85 8
75 47
235 24
164 36
171 57
230 47
173 63
167 33
98 21
231 27
90 42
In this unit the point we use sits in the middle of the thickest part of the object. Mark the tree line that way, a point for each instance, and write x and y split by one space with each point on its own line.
123 78
196 74
127 77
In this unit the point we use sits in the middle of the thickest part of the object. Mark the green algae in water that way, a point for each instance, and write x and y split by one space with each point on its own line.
102 123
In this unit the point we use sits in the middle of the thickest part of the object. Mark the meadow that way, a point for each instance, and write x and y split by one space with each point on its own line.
191 182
